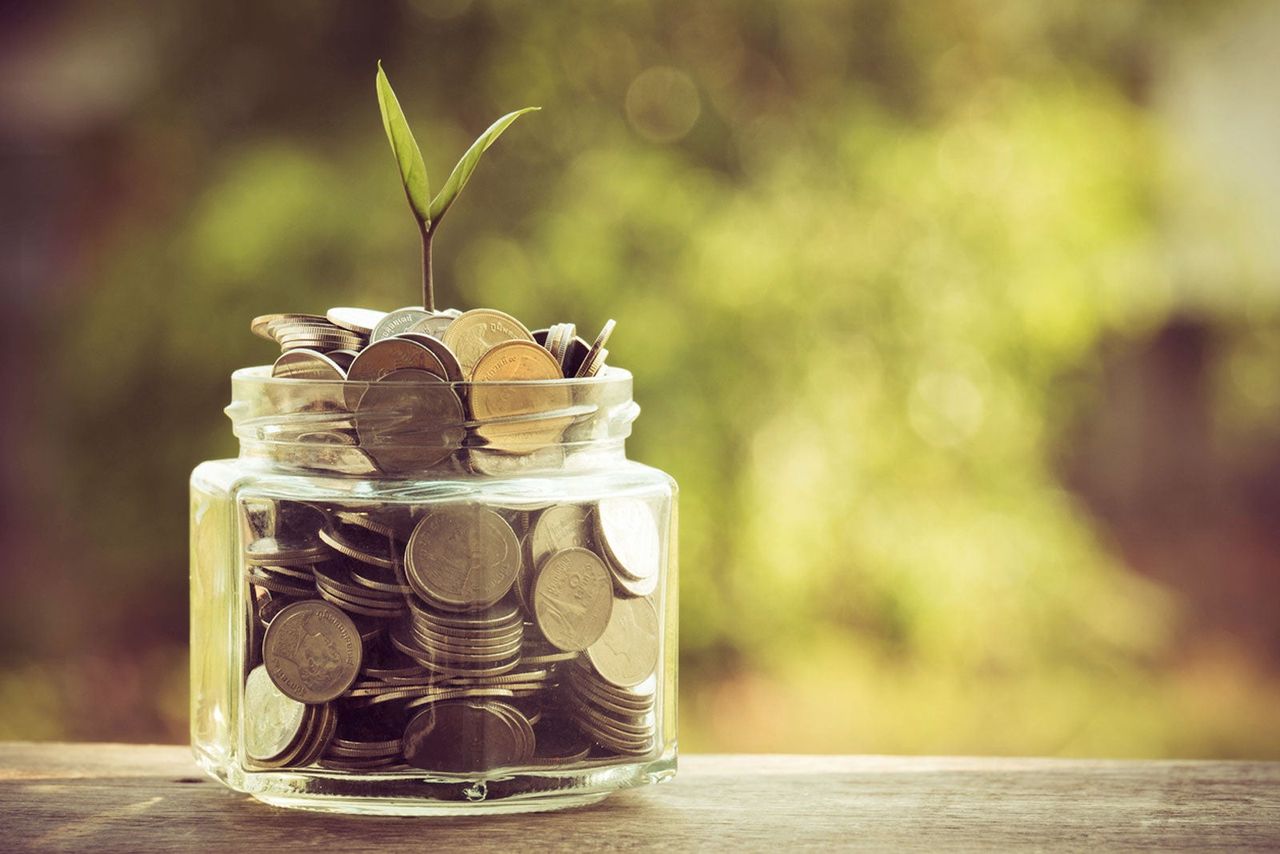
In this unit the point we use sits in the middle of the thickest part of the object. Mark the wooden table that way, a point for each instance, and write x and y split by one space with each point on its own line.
103 797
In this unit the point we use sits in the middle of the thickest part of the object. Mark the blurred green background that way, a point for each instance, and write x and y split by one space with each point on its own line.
958 323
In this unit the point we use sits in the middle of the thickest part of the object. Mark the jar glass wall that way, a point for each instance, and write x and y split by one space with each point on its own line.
400 607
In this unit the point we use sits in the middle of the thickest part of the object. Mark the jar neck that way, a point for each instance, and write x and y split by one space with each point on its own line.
431 431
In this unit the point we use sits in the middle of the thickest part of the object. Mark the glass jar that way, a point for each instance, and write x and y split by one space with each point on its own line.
432 599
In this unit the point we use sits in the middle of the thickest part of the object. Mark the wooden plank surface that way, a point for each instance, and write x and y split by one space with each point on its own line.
100 798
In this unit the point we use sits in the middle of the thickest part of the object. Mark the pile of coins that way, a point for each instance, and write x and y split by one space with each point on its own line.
452 637
415 406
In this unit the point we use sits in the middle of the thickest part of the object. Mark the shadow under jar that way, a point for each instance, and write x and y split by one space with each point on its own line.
414 597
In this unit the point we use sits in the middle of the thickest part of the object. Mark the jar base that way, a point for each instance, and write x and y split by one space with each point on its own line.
409 794
416 806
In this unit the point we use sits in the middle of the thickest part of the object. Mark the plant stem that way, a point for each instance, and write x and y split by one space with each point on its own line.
428 284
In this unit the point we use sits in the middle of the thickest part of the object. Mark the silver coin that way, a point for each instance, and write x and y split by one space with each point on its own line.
272 720
395 322
360 320
628 530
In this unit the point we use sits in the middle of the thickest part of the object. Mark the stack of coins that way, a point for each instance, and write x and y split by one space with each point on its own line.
474 389
453 637
342 344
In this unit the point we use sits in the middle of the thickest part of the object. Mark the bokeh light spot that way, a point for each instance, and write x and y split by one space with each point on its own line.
663 104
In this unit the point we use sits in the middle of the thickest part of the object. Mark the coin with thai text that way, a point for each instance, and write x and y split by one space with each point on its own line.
462 556
273 720
517 414
312 651
572 599
475 332
627 653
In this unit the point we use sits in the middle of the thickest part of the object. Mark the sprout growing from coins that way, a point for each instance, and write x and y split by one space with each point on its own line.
428 211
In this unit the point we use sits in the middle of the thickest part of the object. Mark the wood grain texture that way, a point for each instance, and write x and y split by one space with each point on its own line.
100 798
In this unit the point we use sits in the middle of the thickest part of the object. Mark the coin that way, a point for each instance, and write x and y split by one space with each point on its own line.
392 354
409 421
628 531
262 325
312 651
574 356
359 320
594 356
627 653
395 322
463 556
303 364
563 526
593 364
361 544
516 415
452 370
436 324
572 599
475 332
461 736
273 720
288 549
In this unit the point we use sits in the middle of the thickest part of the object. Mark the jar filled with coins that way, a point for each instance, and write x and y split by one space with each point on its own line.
432 581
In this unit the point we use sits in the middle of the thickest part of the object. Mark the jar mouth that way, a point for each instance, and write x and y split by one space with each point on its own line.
396 427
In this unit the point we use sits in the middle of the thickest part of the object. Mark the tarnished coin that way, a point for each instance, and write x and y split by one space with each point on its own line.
343 358
436 324
272 720
395 322
572 599
627 652
358 320
516 414
475 332
559 742
461 736
452 370
312 651
575 355
303 364
409 420
564 526
628 530
462 556
393 354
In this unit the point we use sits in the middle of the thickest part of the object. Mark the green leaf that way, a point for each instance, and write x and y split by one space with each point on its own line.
462 172
413 171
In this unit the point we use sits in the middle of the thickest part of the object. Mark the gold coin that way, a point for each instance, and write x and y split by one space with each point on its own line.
312 651
462 556
627 653
475 332
572 599
516 414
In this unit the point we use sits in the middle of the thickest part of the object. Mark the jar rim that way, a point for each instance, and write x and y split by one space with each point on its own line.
415 427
